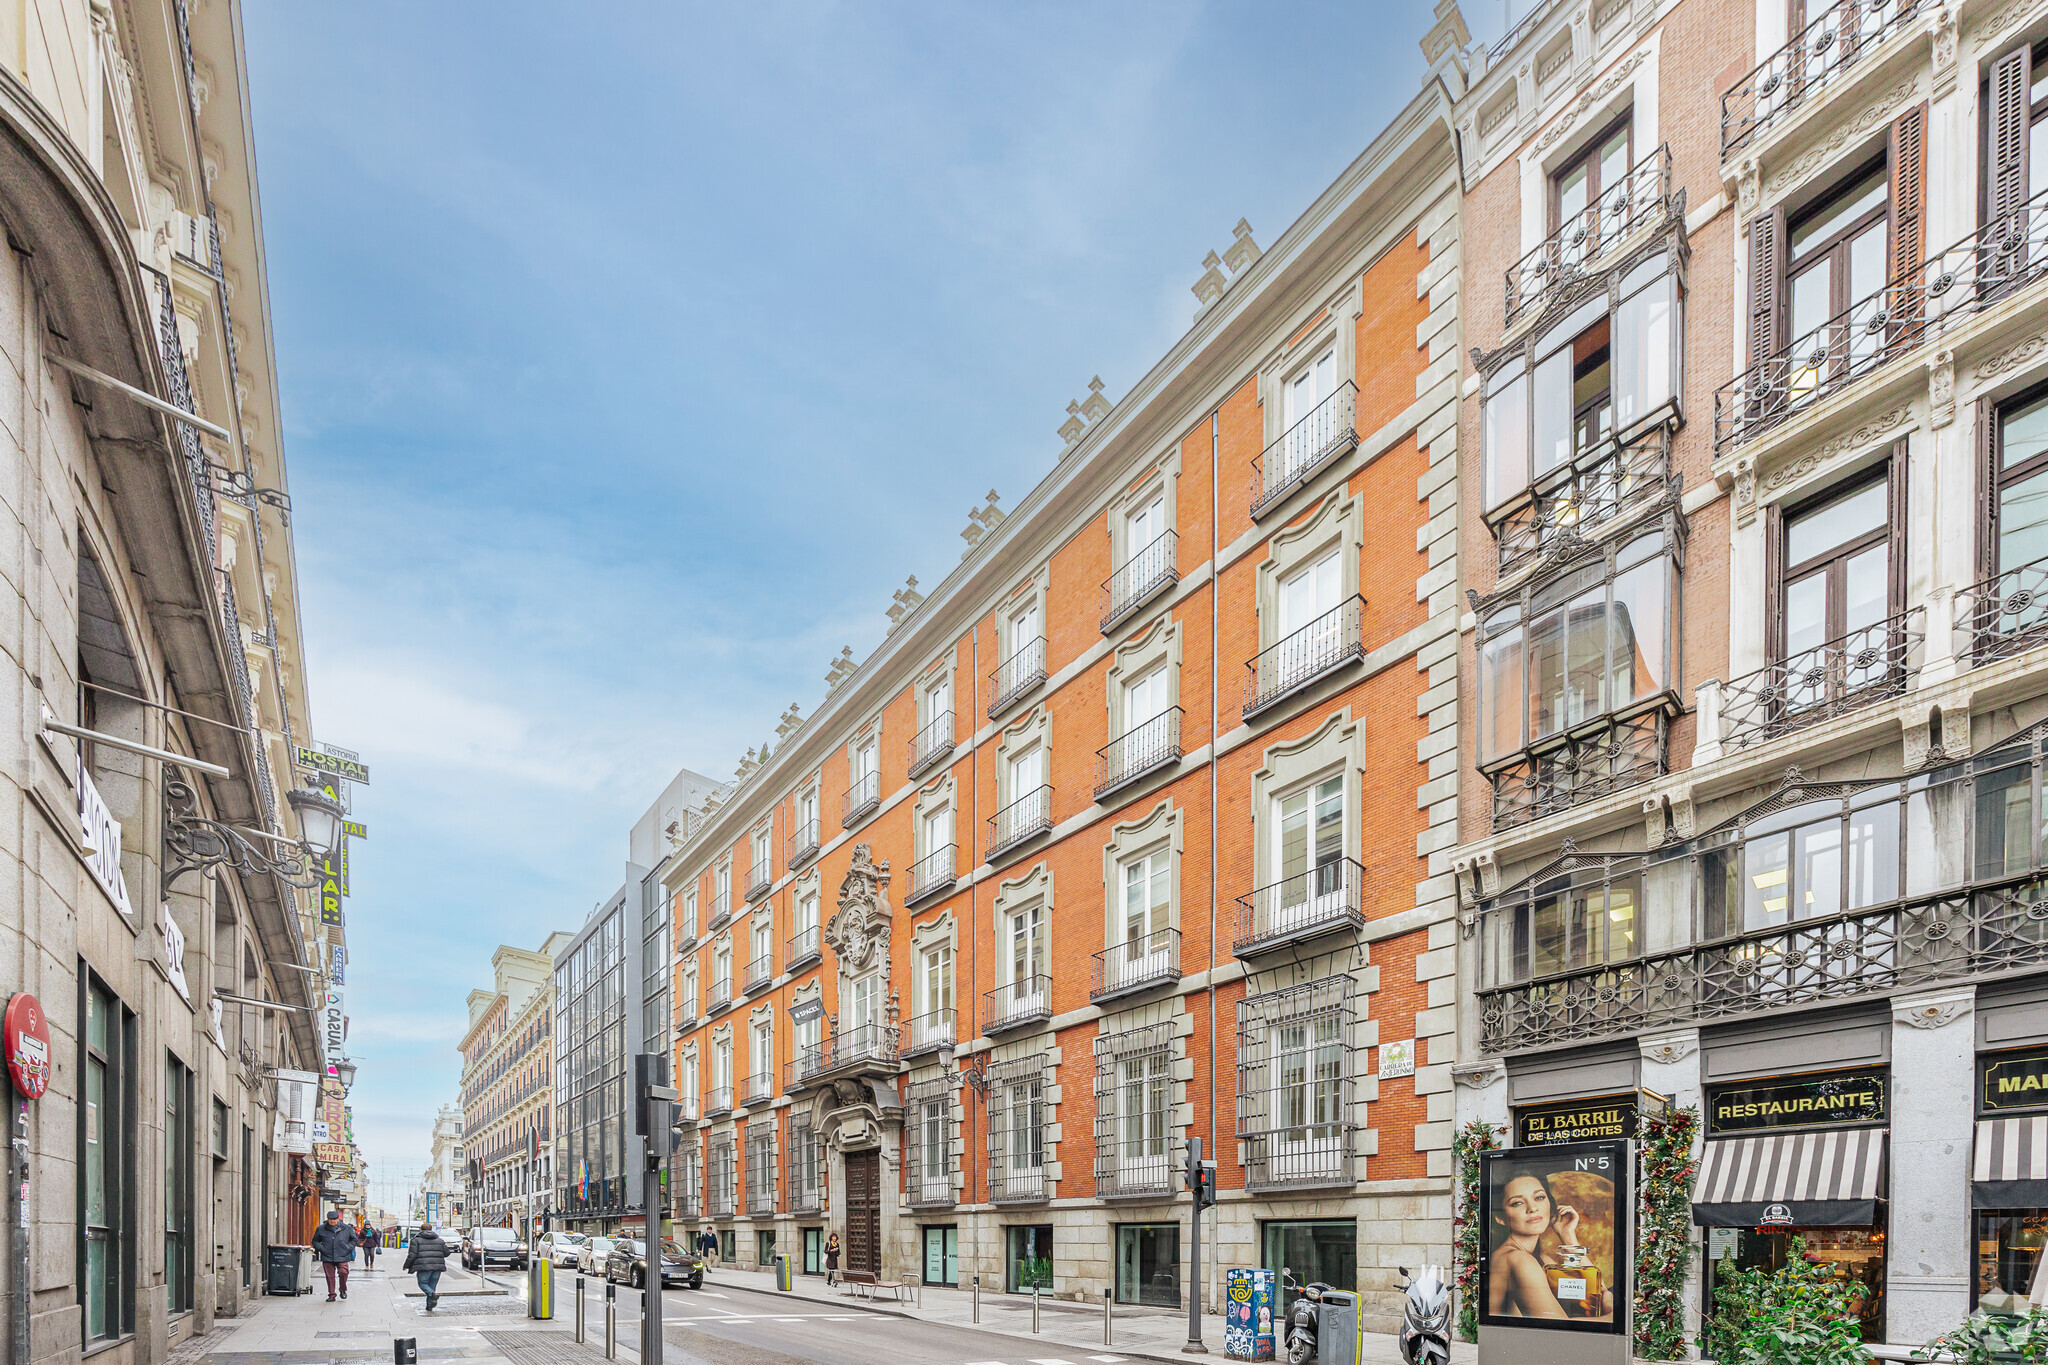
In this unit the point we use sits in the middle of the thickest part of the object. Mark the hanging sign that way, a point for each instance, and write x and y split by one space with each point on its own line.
355 829
1538 1125
297 1092
2013 1081
101 833
336 968
1826 1100
342 849
803 1011
348 769
333 1028
330 889
27 1038
174 955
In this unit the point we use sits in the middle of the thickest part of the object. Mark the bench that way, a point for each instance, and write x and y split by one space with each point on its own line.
873 1289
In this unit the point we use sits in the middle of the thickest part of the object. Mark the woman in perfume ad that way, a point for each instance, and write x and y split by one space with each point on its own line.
1552 1235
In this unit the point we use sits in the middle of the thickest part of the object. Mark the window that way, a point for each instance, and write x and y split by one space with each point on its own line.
1589 642
178 1150
104 1135
1144 524
1309 594
721 1064
938 833
761 868
807 1038
864 759
1143 1084
1304 391
1146 698
2018 534
807 912
935 979
2016 146
1596 171
763 940
938 699
721 970
1024 633
1027 942
1027 772
867 1002
1839 580
764 1048
1311 826
724 897
1838 252
1147 893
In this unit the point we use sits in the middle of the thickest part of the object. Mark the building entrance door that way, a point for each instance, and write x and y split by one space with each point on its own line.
864 1215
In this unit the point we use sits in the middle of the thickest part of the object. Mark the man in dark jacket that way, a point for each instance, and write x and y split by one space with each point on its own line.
335 1243
426 1256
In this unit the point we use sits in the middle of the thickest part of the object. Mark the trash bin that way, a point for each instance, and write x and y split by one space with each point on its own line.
288 1269
540 1288
785 1272
1337 1329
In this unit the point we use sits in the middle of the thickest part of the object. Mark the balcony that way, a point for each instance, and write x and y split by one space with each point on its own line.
1311 1156
1328 432
2003 616
930 1032
1145 748
721 912
1609 754
864 1049
1025 1001
803 844
1016 676
760 973
1818 684
1639 202
684 1108
931 744
1322 900
723 1201
1599 489
1027 817
759 879
1017 1184
1136 965
799 1072
1816 59
1957 936
803 949
1126 1168
721 995
686 1019
1150 570
932 875
1979 272
861 800
686 934
717 1101
687 1204
1298 659
758 1088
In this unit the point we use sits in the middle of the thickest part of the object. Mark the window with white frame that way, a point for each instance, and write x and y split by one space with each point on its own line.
1024 632
1303 393
1294 1083
807 813
690 913
721 969
1027 772
938 831
686 1002
1017 1122
1147 899
1309 595
1147 698
763 958
764 1048
938 698
724 889
807 1033
928 1146
1310 825
1134 1092
865 1008
807 912
934 1023
721 1064
1026 958
761 868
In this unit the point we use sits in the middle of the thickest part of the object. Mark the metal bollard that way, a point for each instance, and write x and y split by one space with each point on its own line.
1034 1310
579 1310
977 1298
611 1321
1107 1298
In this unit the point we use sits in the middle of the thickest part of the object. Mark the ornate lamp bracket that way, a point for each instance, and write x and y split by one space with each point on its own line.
193 843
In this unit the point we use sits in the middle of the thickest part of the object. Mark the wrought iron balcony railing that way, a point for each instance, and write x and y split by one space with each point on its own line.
802 949
859 1047
1817 58
1292 663
1598 489
1150 570
1137 964
1982 270
1324 898
803 843
1821 683
1609 754
860 800
1015 676
801 1070
1027 1000
686 1018
933 874
1310 1155
758 1088
1146 747
931 744
2003 616
721 993
721 911
1640 200
761 1192
687 1204
686 933
1024 818
1961 935
1124 1168
1014 1183
717 1100
1328 431
758 881
929 1032
684 1108
760 973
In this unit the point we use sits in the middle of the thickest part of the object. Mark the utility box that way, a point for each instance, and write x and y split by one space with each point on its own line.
288 1269
785 1272
540 1288
1337 1329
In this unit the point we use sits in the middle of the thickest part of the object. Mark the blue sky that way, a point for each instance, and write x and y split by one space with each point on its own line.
629 366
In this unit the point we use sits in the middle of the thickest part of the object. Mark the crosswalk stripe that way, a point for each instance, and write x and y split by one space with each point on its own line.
1054 1361
1108 1360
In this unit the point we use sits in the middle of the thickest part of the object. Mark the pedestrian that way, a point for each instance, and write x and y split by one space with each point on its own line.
426 1257
831 1260
369 1241
707 1242
335 1243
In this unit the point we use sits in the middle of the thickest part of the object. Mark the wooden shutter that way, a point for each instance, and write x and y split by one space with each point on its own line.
1987 489
1895 555
1766 246
2011 80
1909 192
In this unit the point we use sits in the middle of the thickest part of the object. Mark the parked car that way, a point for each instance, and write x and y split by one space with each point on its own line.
591 1256
487 1247
627 1264
561 1248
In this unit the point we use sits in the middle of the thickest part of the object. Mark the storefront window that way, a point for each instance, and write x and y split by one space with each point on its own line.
764 1248
1148 1264
1856 1255
814 1251
942 1256
1320 1252
728 1250
1030 1259
2009 1262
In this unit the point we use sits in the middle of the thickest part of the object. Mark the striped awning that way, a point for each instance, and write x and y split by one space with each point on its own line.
2010 1170
1808 1180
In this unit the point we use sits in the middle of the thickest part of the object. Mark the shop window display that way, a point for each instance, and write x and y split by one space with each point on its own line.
2009 1260
1855 1254
1325 1251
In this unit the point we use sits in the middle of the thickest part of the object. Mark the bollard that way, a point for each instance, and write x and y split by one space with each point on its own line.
977 1298
579 1310
1107 1297
611 1321
1034 1310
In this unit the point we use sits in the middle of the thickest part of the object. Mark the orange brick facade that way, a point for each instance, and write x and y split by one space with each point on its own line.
1328 944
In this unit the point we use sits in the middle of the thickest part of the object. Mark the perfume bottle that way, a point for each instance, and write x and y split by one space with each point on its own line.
1575 1280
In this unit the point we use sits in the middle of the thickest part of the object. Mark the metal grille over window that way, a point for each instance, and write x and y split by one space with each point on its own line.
724 1179
686 1171
806 1169
1294 1081
760 1168
1017 1116
928 1142
1134 1112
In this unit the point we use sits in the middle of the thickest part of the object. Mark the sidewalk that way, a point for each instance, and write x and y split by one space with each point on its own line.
1144 1333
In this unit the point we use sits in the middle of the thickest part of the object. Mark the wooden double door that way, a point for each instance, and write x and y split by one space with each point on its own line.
864 1215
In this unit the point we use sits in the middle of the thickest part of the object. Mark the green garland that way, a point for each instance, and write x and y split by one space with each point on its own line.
1467 1245
1664 1150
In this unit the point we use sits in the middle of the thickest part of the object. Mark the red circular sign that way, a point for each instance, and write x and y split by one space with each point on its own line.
27 1038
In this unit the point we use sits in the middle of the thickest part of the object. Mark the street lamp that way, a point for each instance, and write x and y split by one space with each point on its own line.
345 1072
319 819
192 842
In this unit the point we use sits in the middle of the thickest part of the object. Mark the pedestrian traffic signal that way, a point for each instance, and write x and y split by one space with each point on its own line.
1205 1185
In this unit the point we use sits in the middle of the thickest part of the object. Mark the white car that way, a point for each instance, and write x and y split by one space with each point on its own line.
592 1256
562 1248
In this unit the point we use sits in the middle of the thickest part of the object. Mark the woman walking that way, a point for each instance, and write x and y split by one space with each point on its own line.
831 1260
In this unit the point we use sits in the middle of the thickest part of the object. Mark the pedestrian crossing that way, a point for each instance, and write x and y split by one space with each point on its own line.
1053 1360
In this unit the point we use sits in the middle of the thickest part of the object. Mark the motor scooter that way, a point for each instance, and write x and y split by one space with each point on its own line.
1304 1318
1426 1317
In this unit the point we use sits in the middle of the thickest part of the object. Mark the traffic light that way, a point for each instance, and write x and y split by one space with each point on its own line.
651 1098
1200 1176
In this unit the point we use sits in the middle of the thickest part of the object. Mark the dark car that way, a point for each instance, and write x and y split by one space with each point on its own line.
627 1264
486 1247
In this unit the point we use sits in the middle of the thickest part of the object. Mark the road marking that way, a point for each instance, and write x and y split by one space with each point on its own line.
1108 1360
1054 1361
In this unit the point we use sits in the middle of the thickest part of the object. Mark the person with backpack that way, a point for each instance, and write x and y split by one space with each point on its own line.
426 1257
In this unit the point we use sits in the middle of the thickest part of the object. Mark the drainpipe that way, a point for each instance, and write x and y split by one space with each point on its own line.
1215 569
